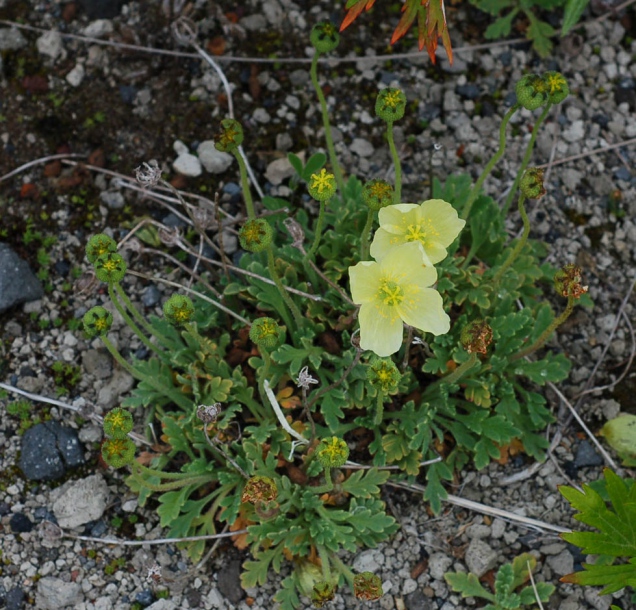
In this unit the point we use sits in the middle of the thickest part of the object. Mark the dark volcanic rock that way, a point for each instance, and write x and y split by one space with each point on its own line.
17 282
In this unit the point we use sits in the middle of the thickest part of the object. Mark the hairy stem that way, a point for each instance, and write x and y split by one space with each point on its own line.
318 233
397 196
461 370
245 186
518 246
366 234
271 264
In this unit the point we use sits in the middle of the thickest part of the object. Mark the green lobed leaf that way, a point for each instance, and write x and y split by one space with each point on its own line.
468 585
365 484
502 26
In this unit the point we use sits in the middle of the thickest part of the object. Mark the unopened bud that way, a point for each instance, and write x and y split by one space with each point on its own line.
178 309
557 85
256 235
322 593
98 245
110 268
265 332
322 186
377 194
230 137
332 452
118 423
390 104
383 375
118 452
97 322
531 91
324 37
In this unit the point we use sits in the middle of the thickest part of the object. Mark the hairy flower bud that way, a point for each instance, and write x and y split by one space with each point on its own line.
383 375
531 184
322 593
377 194
178 309
532 91
118 423
567 282
476 337
118 452
324 37
332 452
265 332
110 268
230 137
322 186
256 235
367 586
97 322
98 245
390 104
259 488
557 85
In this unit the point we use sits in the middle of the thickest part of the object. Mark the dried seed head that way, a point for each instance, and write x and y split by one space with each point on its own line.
169 236
154 574
209 413
476 337
259 489
567 282
367 586
296 231
305 380
50 532
184 30
148 174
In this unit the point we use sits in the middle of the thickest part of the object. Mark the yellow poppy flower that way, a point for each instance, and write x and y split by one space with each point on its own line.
434 224
394 291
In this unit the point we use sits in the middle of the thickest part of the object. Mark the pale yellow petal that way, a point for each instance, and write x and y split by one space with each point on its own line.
383 242
365 281
395 218
381 331
435 251
423 309
443 218
408 264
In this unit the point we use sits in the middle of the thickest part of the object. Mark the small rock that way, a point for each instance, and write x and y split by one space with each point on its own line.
561 564
98 28
597 601
260 115
186 164
571 178
469 91
254 23
438 564
17 282
54 593
417 601
409 586
480 557
97 363
11 39
20 523
366 562
229 581
575 132
145 598
151 296
279 170
163 604
113 199
76 75
213 160
81 502
120 383
273 12
101 9
284 141
362 147
478 531
50 43
14 599
586 455
299 78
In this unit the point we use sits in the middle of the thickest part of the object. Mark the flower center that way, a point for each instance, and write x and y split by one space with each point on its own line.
391 293
422 232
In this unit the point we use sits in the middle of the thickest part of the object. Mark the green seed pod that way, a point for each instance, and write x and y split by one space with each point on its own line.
383 375
322 593
110 268
324 37
258 489
178 309
476 337
367 586
118 452
390 104
118 423
531 91
99 244
97 322
332 452
377 194
265 333
256 235
531 184
322 186
557 85
230 137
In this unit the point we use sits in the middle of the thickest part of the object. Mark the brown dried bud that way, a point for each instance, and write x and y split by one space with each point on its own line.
567 282
259 489
209 413
169 236
476 337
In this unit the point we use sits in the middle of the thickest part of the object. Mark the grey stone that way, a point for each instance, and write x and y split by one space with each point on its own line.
53 593
480 558
113 199
15 599
97 363
11 39
438 564
571 178
187 165
283 141
299 78
17 282
80 502
47 450
254 23
417 601
561 564
50 43
110 395
362 147
98 28
229 581
586 455
151 296
213 160
367 561
76 75
597 601
163 604
273 12
279 170
478 531
575 132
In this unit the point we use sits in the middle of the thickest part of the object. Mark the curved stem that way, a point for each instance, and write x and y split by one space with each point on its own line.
526 158
245 186
518 246
545 335
318 233
461 370
489 166
397 197
366 233
142 321
129 321
379 409
335 166
327 486
163 487
279 284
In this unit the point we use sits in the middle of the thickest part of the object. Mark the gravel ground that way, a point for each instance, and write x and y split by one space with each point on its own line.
122 107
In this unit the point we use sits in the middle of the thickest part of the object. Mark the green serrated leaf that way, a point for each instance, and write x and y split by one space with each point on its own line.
365 484
501 28
468 585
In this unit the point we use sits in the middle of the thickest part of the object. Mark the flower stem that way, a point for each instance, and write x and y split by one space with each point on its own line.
343 569
335 166
142 321
366 234
245 186
279 284
327 486
171 393
379 409
318 233
118 306
397 196
489 166
518 246
545 335
461 370
526 158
